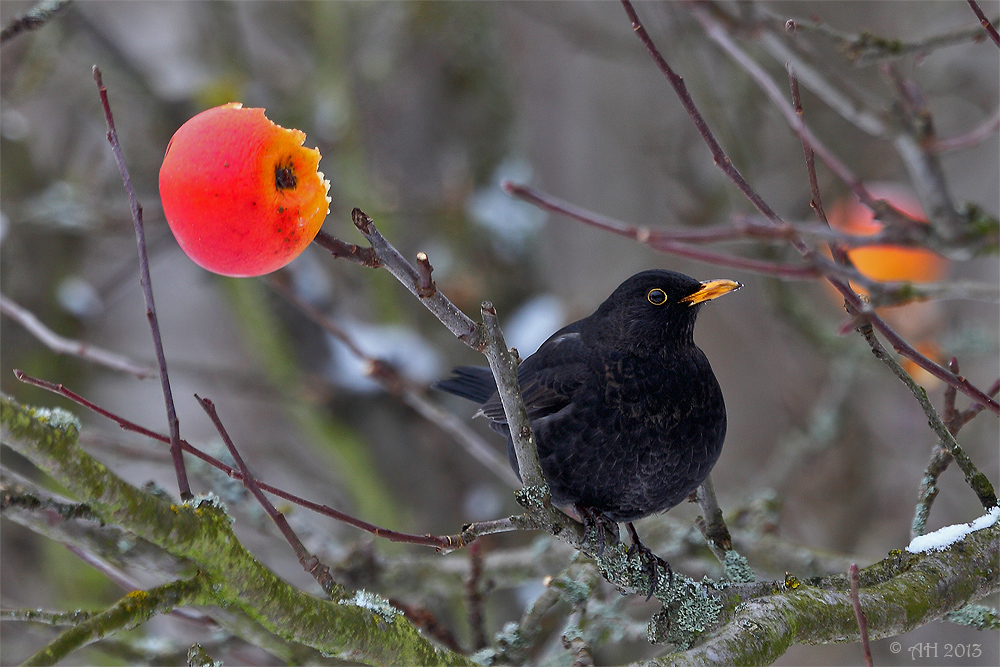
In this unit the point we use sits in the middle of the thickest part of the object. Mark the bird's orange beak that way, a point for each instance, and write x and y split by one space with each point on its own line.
711 289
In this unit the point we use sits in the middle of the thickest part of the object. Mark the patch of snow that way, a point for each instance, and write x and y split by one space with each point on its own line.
944 537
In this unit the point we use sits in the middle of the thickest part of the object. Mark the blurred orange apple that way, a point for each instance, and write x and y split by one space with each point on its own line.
918 321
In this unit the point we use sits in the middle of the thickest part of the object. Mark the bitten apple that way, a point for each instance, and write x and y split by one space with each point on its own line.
242 195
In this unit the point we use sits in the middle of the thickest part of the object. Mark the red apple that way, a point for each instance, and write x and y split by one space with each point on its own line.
241 194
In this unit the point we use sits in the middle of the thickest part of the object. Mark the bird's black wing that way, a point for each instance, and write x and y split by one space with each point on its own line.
548 378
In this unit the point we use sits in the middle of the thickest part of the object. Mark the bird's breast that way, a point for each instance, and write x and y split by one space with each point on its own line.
656 392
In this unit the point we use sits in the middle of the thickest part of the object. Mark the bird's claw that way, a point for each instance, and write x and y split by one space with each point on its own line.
602 525
653 562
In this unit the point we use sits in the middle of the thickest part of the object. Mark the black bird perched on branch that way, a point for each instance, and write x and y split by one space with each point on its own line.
627 413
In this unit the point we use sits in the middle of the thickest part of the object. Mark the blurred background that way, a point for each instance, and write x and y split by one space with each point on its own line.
420 109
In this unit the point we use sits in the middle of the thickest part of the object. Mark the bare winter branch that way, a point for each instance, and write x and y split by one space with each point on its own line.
147 293
987 26
62 345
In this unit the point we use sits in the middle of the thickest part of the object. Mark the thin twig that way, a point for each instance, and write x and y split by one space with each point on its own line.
389 258
913 139
974 409
860 615
866 47
718 34
744 227
62 345
987 26
719 156
941 457
344 250
664 241
425 284
474 596
973 137
842 102
979 483
310 563
147 292
837 249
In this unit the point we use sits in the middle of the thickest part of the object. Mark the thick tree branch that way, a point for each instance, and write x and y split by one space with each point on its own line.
760 630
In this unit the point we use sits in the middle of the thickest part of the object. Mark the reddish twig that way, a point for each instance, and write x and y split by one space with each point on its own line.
966 415
444 543
718 34
310 563
664 241
474 595
816 203
719 156
985 22
860 615
344 250
973 137
62 345
147 292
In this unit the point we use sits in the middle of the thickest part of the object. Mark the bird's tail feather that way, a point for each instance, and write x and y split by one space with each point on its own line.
472 382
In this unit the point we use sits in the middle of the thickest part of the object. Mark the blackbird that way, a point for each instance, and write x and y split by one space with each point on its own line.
627 413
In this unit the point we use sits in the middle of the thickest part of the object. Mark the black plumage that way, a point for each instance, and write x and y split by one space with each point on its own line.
628 414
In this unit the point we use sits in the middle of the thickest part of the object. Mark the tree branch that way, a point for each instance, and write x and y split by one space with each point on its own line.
39 15
62 345
760 630
129 612
147 293
987 26
312 565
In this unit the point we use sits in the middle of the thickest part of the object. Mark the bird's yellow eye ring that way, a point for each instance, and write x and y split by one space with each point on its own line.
656 296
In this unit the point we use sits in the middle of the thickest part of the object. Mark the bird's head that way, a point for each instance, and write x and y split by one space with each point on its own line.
658 307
